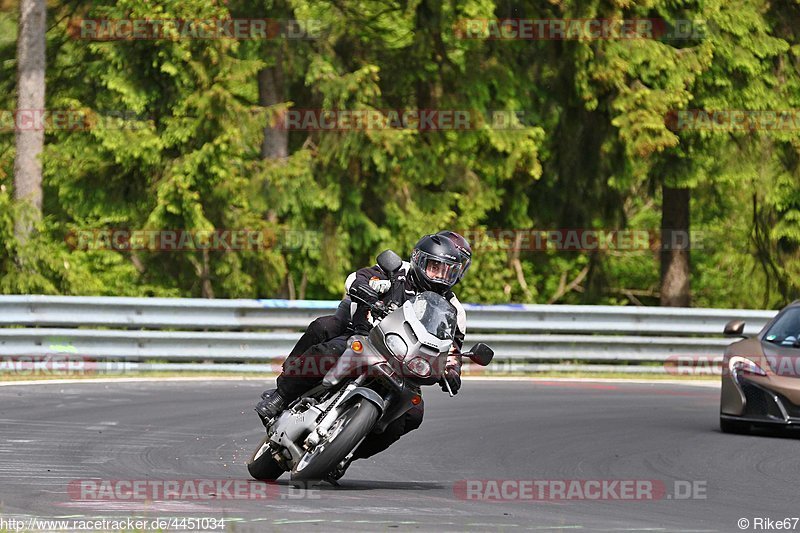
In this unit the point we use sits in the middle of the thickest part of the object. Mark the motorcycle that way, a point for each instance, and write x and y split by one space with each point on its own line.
376 381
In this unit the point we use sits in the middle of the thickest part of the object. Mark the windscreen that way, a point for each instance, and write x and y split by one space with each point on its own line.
437 315
786 330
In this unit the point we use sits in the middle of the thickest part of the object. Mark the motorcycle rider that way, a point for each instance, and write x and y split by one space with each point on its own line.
330 326
437 263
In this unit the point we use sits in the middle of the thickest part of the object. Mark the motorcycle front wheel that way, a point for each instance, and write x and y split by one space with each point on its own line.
345 433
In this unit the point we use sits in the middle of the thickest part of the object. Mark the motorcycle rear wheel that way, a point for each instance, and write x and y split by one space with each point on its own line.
345 433
262 466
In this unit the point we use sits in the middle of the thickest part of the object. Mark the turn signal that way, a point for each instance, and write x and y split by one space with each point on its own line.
416 399
357 346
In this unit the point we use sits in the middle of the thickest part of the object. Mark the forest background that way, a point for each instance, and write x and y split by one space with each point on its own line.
692 131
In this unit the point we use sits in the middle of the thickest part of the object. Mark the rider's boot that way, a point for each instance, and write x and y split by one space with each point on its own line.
271 405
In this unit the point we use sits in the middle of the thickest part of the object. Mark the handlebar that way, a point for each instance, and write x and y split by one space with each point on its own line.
378 309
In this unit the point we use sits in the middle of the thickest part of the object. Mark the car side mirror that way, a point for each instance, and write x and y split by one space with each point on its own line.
734 328
389 261
481 354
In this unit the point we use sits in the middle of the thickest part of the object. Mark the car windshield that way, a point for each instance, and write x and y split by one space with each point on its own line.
437 315
786 330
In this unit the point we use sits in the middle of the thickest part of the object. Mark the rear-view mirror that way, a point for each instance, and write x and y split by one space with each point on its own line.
389 261
481 354
734 328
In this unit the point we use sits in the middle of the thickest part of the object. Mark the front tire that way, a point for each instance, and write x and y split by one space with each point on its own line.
346 432
262 466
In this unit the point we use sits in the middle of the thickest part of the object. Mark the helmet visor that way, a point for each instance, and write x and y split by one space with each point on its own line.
436 269
464 249
465 262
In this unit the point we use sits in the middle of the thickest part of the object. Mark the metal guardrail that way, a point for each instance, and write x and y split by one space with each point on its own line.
199 314
237 346
167 329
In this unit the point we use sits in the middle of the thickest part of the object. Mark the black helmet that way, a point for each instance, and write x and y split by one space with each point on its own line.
435 264
464 249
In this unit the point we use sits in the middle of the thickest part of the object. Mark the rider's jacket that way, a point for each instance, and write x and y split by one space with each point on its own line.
359 314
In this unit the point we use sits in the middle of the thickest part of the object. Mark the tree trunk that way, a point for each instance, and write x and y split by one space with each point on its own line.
675 266
205 277
425 27
30 99
271 92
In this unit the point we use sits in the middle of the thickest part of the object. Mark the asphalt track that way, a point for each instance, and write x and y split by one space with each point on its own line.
52 434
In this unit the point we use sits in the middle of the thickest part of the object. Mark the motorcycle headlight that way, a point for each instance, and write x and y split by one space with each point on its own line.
420 367
397 345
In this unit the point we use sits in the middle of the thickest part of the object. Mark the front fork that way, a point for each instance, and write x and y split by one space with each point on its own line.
331 413
313 422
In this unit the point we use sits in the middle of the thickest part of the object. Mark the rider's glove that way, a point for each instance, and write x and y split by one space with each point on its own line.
364 293
380 285
453 378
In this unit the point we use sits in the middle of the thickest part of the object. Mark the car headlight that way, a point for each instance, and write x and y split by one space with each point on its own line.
420 367
397 345
744 366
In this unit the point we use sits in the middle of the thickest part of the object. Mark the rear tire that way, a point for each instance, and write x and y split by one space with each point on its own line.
356 422
262 466
737 427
